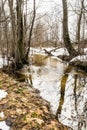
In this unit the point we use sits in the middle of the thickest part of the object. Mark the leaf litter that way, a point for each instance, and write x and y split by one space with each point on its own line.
24 109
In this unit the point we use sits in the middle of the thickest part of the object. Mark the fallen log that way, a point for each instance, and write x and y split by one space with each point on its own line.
50 52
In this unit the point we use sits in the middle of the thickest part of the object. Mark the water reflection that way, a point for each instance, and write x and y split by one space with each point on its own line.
39 60
62 90
73 113
65 88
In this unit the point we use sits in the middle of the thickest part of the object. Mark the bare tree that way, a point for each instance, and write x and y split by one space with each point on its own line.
66 37
13 24
19 49
31 29
79 24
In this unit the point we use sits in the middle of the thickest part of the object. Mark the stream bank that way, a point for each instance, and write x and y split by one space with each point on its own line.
24 109
56 85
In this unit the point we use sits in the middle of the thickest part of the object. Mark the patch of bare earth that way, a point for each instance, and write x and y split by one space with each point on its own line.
24 109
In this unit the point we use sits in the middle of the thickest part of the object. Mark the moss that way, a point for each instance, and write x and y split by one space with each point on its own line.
24 118
52 129
19 90
34 115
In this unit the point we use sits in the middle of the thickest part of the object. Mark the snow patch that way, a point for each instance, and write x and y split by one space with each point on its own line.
3 61
36 51
80 58
61 51
85 50
2 114
57 52
3 126
2 94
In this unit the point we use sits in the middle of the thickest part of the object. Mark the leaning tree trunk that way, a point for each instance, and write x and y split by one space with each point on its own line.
66 37
31 30
79 25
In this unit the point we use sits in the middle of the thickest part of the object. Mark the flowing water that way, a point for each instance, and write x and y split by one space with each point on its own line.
64 87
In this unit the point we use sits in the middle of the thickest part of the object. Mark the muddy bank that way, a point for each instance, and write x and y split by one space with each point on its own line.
24 109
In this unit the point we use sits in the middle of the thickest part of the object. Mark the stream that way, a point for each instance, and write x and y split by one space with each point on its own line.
64 87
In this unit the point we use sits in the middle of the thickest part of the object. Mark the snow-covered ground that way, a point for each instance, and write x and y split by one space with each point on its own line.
82 58
61 51
57 52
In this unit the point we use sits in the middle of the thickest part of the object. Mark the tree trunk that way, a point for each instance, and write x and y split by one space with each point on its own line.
19 49
6 33
66 37
79 25
13 27
31 29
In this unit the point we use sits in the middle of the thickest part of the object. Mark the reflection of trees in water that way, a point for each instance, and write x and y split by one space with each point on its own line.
75 94
82 117
62 91
80 81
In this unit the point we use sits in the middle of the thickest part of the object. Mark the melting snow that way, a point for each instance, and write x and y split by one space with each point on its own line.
2 94
57 52
85 50
3 61
80 58
1 114
61 51
3 126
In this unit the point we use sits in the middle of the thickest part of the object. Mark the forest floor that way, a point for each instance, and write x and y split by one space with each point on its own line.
23 107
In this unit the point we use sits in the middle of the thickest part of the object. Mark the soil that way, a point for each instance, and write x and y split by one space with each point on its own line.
23 107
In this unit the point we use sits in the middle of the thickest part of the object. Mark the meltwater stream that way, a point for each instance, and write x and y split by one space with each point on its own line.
64 87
